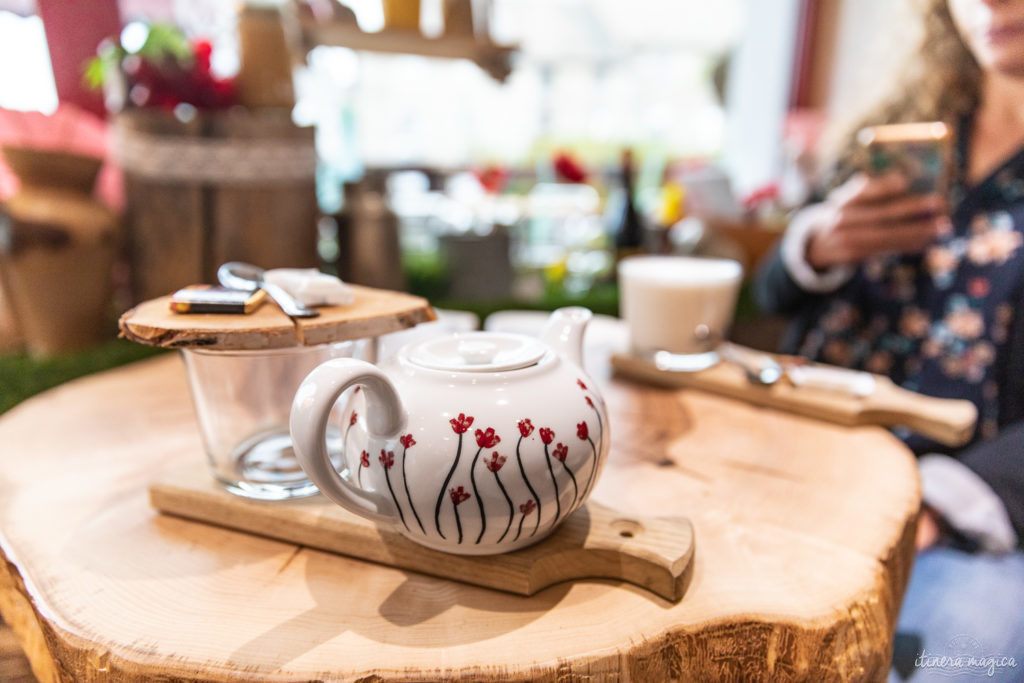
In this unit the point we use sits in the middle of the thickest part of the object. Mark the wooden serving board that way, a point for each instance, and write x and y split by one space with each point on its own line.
948 421
595 542
374 312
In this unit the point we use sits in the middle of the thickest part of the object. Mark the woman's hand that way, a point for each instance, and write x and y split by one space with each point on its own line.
868 215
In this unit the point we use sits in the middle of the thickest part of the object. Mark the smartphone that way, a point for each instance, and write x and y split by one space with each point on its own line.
920 151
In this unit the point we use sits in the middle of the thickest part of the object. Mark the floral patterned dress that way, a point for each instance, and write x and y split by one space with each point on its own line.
938 322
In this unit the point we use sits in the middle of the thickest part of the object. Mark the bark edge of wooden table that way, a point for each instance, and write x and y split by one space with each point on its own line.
793 581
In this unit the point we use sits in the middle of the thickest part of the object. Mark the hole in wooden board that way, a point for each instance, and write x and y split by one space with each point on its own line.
627 528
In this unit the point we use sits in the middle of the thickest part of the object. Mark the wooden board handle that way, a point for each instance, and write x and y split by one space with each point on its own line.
599 542
594 542
947 421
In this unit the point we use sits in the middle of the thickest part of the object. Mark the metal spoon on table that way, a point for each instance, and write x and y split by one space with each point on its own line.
238 275
760 368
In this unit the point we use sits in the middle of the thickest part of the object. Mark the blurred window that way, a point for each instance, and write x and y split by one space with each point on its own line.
26 79
591 74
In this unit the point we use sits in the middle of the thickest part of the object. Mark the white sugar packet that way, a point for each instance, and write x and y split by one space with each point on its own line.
311 287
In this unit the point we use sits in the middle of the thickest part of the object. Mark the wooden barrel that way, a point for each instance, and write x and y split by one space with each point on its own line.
232 186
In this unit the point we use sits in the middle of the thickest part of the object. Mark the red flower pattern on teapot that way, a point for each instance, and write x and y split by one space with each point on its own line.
487 438
461 424
459 495
496 462
547 435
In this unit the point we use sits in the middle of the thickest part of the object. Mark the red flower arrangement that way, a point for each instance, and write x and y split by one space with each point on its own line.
167 70
567 167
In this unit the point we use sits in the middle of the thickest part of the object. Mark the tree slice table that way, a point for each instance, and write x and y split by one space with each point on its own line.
14 668
804 532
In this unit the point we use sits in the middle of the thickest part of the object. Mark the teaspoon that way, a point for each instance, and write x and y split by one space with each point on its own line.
760 368
238 275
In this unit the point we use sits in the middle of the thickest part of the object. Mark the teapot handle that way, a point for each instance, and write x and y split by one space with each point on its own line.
385 417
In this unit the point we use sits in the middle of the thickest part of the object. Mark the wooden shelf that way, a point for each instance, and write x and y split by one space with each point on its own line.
492 58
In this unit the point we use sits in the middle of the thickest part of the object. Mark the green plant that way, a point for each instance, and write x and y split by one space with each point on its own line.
22 376
163 42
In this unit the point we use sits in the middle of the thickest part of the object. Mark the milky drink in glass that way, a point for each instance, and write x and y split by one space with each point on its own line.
678 308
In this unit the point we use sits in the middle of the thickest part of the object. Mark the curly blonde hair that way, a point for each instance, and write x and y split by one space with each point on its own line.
939 83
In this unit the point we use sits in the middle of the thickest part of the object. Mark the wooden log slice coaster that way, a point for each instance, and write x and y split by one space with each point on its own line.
374 312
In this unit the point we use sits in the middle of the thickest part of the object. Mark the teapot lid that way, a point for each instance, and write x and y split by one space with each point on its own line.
477 352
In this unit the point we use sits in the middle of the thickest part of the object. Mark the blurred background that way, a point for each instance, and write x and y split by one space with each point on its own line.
486 154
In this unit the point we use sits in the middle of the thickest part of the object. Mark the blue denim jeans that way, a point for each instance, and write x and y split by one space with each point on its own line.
962 618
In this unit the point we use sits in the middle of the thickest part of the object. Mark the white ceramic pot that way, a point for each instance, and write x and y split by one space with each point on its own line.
473 444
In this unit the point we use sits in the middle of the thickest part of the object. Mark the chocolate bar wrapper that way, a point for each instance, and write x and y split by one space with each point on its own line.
216 299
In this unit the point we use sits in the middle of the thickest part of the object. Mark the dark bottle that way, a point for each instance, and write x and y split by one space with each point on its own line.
629 229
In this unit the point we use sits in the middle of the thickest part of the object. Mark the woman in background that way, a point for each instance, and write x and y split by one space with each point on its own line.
929 290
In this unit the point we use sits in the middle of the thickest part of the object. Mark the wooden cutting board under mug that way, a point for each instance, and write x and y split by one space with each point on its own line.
947 421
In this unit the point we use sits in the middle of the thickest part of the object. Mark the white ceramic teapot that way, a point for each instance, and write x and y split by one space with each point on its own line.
473 443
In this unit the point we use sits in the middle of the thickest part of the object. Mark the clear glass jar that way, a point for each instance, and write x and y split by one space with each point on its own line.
243 400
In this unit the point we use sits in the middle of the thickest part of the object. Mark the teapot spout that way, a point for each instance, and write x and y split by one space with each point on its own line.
564 332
